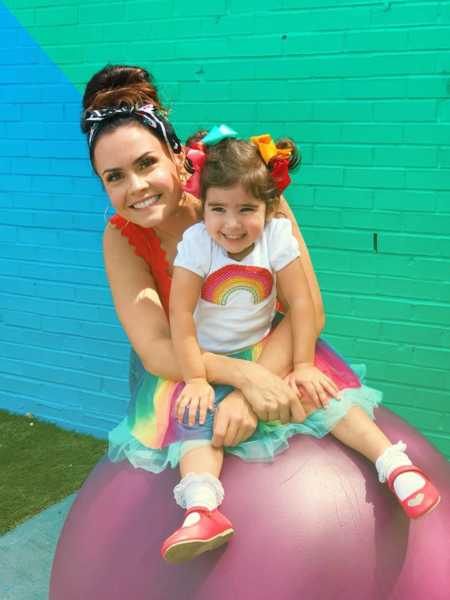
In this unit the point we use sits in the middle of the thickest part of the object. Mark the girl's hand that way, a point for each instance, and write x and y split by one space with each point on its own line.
198 395
270 397
234 421
316 385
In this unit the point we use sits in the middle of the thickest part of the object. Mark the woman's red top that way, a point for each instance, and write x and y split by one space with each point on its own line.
147 245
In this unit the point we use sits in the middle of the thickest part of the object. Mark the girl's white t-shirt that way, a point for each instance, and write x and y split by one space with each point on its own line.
238 298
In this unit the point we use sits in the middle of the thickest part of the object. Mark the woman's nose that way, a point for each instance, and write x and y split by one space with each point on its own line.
136 183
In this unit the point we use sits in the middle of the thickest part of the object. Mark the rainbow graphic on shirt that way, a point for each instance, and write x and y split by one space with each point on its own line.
219 287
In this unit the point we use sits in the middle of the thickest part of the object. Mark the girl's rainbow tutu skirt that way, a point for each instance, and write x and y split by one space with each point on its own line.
151 438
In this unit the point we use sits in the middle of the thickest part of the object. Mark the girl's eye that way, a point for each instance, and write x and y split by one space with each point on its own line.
246 209
217 209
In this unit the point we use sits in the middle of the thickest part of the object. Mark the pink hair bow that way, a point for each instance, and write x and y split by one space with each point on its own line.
197 157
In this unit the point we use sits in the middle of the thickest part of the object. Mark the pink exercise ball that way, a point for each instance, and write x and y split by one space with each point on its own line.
313 525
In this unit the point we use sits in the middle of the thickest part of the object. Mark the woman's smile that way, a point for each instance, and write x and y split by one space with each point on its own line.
146 202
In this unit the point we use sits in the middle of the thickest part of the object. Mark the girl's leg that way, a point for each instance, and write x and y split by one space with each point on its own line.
200 468
200 492
279 363
202 459
357 431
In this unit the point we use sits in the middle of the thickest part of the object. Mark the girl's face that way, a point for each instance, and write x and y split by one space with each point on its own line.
234 219
139 175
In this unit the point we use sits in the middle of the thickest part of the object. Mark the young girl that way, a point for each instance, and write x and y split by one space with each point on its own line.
228 272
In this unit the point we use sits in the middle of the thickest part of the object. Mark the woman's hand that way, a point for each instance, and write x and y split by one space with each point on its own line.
271 398
234 421
312 382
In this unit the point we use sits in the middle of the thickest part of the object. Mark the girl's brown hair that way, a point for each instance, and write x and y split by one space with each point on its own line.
234 161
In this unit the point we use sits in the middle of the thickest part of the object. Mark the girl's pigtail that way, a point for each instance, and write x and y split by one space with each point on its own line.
295 158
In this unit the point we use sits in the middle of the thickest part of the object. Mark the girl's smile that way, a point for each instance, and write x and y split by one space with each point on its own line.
234 219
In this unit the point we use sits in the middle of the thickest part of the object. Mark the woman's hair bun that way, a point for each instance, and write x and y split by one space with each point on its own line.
119 85
296 158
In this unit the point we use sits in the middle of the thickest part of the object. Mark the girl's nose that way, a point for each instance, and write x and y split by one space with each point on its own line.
232 222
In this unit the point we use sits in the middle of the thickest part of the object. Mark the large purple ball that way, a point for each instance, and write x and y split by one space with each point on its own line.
313 525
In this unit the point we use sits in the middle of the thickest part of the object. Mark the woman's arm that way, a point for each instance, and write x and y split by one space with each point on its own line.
184 295
142 316
285 211
138 306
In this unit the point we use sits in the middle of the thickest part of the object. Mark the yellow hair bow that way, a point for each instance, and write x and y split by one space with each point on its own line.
268 149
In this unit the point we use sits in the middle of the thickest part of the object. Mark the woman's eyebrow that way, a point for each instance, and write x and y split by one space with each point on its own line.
144 155
111 169
135 162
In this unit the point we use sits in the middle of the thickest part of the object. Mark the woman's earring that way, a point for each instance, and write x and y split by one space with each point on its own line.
183 199
105 214
183 177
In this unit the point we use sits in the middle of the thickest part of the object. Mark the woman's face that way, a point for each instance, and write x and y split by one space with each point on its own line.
139 175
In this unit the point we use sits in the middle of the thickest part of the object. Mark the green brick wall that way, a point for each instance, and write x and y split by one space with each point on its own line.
363 87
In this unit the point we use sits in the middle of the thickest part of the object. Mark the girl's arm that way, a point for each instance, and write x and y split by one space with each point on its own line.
308 269
294 286
197 395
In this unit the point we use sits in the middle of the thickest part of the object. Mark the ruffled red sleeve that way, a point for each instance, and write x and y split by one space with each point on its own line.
147 246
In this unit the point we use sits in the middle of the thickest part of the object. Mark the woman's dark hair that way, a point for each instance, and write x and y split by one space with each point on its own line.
117 86
234 161
120 85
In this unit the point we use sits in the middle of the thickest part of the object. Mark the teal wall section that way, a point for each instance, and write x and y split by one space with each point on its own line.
364 89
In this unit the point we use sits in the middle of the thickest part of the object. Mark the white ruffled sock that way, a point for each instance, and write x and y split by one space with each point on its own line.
198 489
392 458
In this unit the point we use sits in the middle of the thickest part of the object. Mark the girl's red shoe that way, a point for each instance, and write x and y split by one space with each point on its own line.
420 502
211 531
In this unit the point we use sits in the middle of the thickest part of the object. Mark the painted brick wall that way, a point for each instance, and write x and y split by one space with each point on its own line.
362 86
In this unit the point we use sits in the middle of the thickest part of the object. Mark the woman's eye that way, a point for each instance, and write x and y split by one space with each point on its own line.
145 163
112 177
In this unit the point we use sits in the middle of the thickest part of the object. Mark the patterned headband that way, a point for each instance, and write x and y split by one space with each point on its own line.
148 115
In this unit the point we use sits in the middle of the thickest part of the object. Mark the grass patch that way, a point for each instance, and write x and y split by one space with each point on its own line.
40 464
